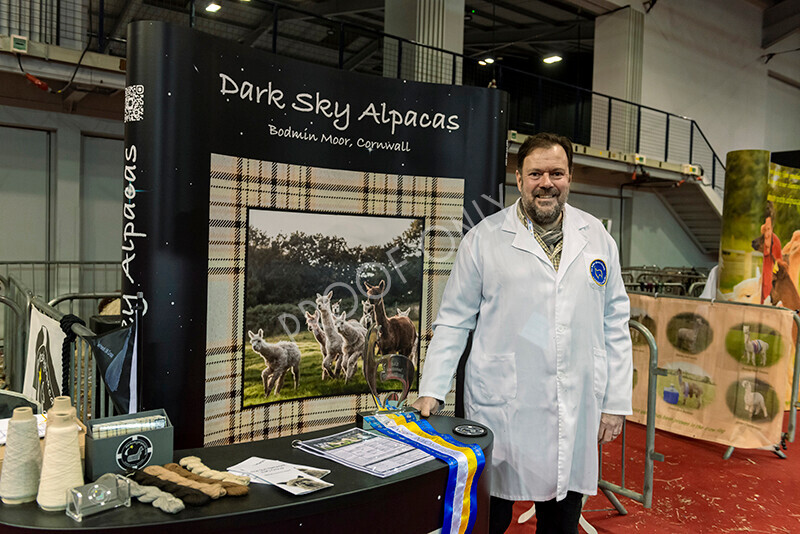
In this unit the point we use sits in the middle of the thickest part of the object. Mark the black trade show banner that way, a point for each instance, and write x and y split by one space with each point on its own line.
263 198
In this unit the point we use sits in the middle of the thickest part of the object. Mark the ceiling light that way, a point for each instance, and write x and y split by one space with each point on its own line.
213 8
482 63
489 60
552 59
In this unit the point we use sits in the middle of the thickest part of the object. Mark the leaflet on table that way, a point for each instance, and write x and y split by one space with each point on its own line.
374 454
242 467
41 423
286 476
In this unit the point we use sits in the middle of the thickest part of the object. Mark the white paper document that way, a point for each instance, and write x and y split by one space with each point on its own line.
289 477
371 453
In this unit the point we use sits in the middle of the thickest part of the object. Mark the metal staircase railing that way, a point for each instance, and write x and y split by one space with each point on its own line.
537 103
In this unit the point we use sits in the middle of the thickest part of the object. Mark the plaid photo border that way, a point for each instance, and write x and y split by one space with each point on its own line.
238 184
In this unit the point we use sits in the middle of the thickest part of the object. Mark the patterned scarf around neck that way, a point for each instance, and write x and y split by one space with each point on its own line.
551 240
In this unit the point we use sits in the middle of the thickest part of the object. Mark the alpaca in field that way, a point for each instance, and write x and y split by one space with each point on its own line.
335 307
687 337
748 290
367 318
784 290
319 334
334 344
398 334
753 401
689 389
753 348
278 358
353 334
403 313
791 251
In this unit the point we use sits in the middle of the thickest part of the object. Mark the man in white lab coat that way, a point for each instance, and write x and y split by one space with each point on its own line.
550 369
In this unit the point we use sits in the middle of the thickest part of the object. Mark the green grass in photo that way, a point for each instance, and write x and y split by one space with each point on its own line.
694 402
734 344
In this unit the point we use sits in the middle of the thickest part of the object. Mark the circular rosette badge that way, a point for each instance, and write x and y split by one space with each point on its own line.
599 272
134 452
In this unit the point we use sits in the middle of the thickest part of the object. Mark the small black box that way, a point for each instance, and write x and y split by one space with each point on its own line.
122 453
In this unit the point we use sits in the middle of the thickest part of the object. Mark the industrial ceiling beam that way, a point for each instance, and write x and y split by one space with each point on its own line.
780 21
121 26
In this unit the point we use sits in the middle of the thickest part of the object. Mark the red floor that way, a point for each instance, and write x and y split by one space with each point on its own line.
695 490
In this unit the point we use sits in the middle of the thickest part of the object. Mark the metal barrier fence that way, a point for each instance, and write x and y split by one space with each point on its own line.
677 281
537 103
609 489
16 323
51 279
86 387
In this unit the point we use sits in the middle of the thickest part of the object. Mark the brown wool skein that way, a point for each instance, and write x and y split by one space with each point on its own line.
188 495
215 491
233 489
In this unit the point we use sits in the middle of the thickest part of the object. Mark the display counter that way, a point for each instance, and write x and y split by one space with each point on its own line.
406 503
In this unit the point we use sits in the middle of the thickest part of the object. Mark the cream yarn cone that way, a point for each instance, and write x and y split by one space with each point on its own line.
61 403
61 466
19 480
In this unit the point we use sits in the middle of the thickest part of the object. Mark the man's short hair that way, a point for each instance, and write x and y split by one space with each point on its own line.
544 140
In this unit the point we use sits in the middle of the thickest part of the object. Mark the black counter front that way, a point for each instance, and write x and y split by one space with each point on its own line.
406 503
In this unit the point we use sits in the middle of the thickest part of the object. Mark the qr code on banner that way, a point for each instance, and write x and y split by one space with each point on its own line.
134 103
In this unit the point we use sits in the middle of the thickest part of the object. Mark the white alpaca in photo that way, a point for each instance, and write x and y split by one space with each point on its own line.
753 348
334 344
753 400
278 358
403 313
353 334
367 319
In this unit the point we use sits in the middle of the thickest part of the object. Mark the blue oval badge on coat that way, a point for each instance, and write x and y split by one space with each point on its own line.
599 272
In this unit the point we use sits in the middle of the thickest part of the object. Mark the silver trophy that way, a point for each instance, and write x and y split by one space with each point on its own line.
385 368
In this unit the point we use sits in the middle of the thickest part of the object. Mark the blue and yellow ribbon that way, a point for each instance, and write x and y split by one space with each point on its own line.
465 464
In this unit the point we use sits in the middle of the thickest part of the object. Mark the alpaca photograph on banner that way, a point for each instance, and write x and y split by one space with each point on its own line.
315 283
754 344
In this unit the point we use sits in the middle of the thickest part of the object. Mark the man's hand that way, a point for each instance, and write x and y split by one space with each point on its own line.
610 427
426 405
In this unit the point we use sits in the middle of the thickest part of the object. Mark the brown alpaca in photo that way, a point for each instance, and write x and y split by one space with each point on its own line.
783 289
792 254
398 333
689 389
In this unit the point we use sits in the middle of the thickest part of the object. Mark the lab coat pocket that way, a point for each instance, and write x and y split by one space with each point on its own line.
495 379
600 373
596 271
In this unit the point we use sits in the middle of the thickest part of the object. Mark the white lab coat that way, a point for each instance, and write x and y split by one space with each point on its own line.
551 350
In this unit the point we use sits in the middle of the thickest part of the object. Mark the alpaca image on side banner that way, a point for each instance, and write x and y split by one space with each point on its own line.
784 291
689 390
748 291
791 252
278 358
753 400
753 348
687 337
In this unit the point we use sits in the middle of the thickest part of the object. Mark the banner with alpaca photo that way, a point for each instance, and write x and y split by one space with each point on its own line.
760 243
307 272
727 368
43 362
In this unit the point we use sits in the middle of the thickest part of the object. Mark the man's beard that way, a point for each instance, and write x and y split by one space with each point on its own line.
544 216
